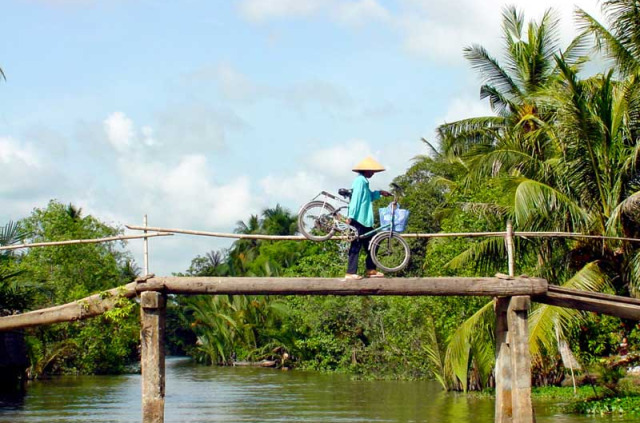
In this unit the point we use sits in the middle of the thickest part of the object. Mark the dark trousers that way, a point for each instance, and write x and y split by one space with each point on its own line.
354 250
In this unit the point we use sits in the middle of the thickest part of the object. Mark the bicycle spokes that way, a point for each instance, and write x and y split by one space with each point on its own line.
390 252
315 221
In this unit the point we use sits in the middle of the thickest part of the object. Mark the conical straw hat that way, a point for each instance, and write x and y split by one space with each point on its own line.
368 164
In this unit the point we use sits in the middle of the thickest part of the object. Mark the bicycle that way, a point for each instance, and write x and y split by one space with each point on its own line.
319 220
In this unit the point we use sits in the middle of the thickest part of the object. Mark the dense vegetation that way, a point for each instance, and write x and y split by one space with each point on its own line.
560 153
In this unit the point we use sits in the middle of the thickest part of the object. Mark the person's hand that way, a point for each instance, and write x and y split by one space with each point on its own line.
348 221
385 193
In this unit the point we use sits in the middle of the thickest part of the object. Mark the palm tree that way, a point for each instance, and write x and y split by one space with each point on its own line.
13 296
512 88
570 164
278 221
75 213
245 250
621 40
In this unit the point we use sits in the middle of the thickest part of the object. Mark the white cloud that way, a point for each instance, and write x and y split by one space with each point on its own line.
236 86
13 153
435 29
330 168
360 12
178 130
183 192
337 161
147 136
190 128
262 10
440 31
26 177
352 12
465 107
120 131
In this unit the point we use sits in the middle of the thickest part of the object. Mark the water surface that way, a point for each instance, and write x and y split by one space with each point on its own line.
213 394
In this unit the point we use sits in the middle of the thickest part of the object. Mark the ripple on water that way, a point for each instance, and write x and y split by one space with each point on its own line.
213 394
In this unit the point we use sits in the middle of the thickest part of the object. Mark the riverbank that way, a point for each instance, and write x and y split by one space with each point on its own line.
593 400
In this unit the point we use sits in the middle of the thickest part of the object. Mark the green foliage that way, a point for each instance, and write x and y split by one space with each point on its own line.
235 327
628 405
14 297
61 274
73 271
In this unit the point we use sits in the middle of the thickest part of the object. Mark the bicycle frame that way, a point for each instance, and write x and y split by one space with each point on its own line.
388 227
382 228
333 197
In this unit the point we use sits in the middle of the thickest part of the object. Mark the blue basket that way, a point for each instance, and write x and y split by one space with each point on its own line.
400 218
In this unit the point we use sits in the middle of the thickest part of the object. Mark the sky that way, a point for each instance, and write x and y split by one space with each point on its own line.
200 113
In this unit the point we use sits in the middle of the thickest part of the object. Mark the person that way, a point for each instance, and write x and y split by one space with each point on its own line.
360 216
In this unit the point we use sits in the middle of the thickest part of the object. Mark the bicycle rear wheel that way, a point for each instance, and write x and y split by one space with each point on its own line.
389 251
315 221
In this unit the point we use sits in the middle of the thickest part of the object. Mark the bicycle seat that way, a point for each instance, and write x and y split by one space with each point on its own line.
346 193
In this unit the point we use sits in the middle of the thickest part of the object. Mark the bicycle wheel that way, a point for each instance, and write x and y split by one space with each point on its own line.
389 251
315 221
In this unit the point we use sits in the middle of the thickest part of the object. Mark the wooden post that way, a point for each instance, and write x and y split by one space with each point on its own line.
510 249
513 361
152 310
518 324
146 249
503 407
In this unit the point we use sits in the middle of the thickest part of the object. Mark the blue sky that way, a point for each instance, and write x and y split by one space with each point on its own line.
200 113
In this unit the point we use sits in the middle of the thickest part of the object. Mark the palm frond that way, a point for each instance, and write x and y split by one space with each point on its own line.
491 71
432 350
457 137
634 273
538 205
544 317
628 206
458 355
611 45
482 255
577 52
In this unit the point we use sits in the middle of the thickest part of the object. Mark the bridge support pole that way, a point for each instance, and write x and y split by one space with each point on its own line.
513 361
503 407
152 310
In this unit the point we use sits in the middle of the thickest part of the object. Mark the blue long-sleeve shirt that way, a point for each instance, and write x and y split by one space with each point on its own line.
360 206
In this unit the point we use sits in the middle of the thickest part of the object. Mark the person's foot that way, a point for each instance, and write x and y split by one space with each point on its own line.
374 274
352 277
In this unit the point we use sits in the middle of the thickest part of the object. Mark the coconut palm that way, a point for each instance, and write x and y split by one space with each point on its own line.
511 87
588 185
278 221
14 296
245 250
570 164
620 41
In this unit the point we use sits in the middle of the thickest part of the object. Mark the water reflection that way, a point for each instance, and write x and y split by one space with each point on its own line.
212 394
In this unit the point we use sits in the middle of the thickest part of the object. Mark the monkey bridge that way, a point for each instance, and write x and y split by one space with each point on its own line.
512 297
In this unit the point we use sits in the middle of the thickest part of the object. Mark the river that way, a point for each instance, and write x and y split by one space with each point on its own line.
216 394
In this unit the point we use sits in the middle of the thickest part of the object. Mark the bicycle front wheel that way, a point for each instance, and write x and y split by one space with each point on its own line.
315 221
389 251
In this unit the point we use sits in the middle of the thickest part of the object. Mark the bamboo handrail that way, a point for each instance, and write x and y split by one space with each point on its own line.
81 241
170 232
221 234
404 234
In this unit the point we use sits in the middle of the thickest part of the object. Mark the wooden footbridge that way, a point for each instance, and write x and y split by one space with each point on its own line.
513 296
